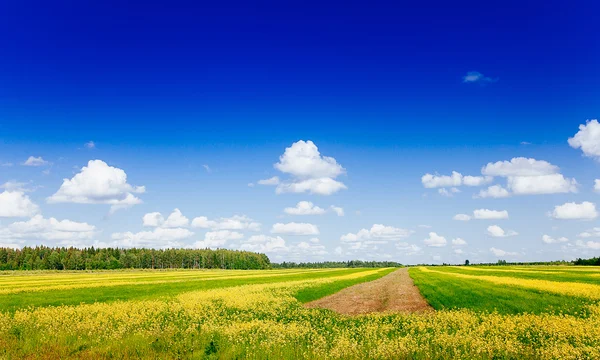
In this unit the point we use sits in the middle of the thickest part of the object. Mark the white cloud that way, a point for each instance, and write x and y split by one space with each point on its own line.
458 251
35 161
500 252
461 217
543 184
458 242
175 220
571 211
453 180
214 239
519 166
477 77
309 170
550 240
445 192
303 160
312 247
90 145
153 219
476 180
594 245
494 191
321 186
409 249
497 231
595 232
587 139
295 229
435 240
264 244
485 214
236 222
98 183
304 208
38 228
597 185
16 204
338 210
157 238
338 250
207 168
6 164
271 181
378 232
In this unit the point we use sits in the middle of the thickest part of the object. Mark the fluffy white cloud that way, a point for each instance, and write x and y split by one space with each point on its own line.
338 210
264 244
453 180
550 240
35 161
595 232
485 214
461 217
494 191
476 180
458 251
236 222
157 238
500 252
320 186
312 247
527 176
378 232
38 228
214 239
587 139
16 204
597 185
497 231
594 245
271 181
571 211
309 171
519 166
303 160
435 240
543 184
295 229
98 183
458 242
153 219
445 192
477 77
90 145
409 249
304 208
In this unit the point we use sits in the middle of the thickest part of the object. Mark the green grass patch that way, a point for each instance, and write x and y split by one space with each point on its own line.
312 293
12 302
449 292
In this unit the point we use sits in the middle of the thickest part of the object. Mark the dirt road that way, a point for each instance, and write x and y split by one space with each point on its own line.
394 292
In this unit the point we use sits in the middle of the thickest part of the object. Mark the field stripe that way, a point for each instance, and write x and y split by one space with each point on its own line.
589 291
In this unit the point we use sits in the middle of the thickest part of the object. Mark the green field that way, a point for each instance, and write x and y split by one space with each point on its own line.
481 313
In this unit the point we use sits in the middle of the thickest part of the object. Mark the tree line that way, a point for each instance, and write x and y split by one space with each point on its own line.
337 264
61 258
593 261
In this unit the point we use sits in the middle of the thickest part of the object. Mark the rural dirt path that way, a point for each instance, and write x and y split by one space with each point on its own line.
394 292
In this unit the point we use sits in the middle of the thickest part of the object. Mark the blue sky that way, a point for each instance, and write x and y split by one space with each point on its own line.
196 103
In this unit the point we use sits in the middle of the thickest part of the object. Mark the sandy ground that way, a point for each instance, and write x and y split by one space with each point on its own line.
394 292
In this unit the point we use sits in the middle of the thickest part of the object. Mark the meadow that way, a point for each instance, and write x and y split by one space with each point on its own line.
481 313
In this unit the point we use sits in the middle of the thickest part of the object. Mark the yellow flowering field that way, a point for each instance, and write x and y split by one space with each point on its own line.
267 321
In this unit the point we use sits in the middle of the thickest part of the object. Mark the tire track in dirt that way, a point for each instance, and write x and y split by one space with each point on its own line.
394 292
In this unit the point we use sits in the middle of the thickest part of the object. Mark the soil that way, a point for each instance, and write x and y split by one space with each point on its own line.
394 292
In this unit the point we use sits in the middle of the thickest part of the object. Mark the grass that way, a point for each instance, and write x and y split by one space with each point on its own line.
266 320
147 291
309 294
445 291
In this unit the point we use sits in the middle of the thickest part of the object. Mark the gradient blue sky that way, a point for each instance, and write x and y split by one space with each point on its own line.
164 88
